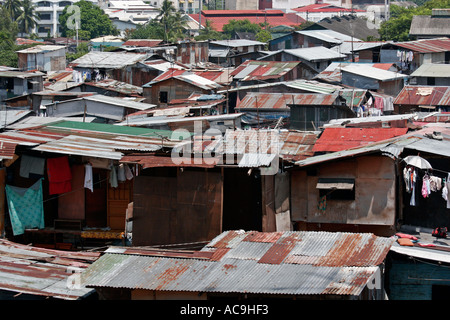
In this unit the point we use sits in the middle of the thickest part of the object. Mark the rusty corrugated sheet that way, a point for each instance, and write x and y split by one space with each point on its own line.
426 45
327 264
43 272
337 139
424 96
151 161
263 70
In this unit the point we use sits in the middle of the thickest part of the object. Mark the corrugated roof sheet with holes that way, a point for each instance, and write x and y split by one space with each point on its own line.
291 262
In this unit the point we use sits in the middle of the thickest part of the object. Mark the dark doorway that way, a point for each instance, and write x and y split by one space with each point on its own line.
96 200
439 292
242 200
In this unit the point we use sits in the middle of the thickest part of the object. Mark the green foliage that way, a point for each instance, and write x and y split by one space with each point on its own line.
8 33
28 17
13 8
168 25
93 22
240 26
397 27
81 50
209 33
151 30
264 36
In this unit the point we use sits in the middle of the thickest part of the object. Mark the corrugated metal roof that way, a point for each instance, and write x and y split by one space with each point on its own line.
426 45
263 100
43 272
337 139
118 101
372 72
233 43
107 60
262 70
327 35
424 96
42 49
101 148
315 53
264 263
435 70
8 117
21 74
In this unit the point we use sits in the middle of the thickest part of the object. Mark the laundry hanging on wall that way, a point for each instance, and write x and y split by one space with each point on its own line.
59 175
88 177
25 205
31 165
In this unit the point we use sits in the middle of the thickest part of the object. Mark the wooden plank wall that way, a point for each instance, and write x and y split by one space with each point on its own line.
182 209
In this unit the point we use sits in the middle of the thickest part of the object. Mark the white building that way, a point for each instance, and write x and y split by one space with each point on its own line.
186 6
49 11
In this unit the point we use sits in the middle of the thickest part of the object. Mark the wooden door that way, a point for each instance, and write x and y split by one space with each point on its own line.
118 200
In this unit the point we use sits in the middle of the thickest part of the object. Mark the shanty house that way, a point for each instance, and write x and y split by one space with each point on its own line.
422 98
234 52
70 171
310 111
240 264
19 83
177 84
254 72
98 65
105 108
215 184
42 58
349 190
318 58
431 74
410 55
376 79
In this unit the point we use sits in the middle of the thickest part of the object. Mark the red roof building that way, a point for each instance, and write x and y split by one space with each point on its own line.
219 18
324 7
338 139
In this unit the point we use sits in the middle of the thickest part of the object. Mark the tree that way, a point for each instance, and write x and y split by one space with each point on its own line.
209 33
263 36
171 21
240 26
150 30
28 17
168 25
93 22
397 27
13 8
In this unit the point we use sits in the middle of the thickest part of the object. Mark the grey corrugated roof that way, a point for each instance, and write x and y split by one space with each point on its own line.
436 70
94 147
315 53
329 36
254 262
107 60
422 25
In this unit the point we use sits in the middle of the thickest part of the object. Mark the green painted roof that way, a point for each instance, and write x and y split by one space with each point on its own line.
110 128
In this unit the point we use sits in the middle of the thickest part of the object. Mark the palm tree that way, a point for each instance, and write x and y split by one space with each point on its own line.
28 17
176 26
13 8
165 13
